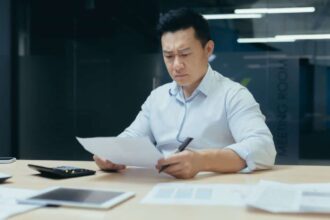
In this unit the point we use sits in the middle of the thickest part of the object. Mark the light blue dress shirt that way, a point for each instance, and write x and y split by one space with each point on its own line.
219 114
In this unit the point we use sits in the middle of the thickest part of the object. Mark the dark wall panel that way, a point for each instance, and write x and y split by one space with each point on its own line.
88 68
5 79
46 125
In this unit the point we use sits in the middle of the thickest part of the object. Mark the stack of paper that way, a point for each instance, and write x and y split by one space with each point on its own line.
8 204
266 195
290 198
198 194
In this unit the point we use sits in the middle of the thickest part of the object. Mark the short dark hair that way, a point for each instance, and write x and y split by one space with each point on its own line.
184 18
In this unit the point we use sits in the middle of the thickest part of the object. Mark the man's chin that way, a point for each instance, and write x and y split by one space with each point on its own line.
182 83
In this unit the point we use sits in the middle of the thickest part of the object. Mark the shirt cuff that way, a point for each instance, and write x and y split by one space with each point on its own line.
244 153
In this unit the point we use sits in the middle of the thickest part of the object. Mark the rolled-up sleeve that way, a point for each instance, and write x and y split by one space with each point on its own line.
253 139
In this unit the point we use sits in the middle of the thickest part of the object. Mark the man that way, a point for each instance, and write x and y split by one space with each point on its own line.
228 128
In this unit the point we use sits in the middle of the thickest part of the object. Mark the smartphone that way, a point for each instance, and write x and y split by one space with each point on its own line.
7 159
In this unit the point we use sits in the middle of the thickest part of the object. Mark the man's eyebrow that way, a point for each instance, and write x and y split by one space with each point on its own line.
180 50
184 50
166 51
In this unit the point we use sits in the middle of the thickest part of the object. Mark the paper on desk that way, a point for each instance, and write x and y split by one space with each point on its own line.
123 150
198 194
8 204
315 197
290 198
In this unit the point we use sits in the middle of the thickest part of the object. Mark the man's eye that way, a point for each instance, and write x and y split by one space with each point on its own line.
169 57
184 55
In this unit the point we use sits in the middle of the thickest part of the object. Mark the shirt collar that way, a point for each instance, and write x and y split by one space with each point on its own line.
204 86
174 89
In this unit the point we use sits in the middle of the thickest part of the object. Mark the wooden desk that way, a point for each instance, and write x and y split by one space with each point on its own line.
142 180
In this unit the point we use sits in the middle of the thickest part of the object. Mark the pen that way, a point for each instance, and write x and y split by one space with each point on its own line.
180 149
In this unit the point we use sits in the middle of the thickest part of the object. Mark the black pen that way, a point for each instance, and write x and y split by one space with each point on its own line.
180 149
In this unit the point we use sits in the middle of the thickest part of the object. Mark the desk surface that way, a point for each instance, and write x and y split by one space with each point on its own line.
141 181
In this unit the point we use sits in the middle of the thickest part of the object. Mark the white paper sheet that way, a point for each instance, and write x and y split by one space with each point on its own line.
124 150
197 194
315 197
4 176
8 204
275 197
290 198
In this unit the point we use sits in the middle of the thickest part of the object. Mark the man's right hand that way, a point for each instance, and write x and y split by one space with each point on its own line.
108 165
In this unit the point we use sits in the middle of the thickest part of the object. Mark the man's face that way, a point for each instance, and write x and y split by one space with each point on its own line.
185 58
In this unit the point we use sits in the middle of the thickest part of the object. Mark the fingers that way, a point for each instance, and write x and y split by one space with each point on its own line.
179 171
107 165
181 165
175 168
175 158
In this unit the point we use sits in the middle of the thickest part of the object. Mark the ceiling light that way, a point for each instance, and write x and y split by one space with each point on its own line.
231 16
275 10
303 37
263 40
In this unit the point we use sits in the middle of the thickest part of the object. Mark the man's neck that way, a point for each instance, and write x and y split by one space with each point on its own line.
188 90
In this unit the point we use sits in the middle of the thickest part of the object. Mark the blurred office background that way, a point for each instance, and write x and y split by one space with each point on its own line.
84 67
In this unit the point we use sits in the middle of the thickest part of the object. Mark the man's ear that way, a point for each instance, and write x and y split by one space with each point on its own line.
209 47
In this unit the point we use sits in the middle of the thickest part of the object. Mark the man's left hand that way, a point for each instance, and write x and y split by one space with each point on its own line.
183 165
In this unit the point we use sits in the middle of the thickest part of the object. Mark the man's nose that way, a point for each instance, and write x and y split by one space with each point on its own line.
178 65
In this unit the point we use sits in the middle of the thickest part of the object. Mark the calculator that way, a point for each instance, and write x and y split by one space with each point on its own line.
61 171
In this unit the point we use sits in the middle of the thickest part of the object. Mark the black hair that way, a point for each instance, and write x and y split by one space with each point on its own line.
184 18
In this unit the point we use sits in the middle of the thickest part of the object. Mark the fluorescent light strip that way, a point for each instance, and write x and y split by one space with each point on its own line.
285 38
303 37
265 66
231 16
263 40
323 57
276 56
275 10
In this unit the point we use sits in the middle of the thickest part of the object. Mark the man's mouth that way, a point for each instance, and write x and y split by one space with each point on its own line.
180 75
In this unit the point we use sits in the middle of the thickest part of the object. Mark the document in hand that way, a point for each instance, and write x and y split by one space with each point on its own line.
124 150
290 198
